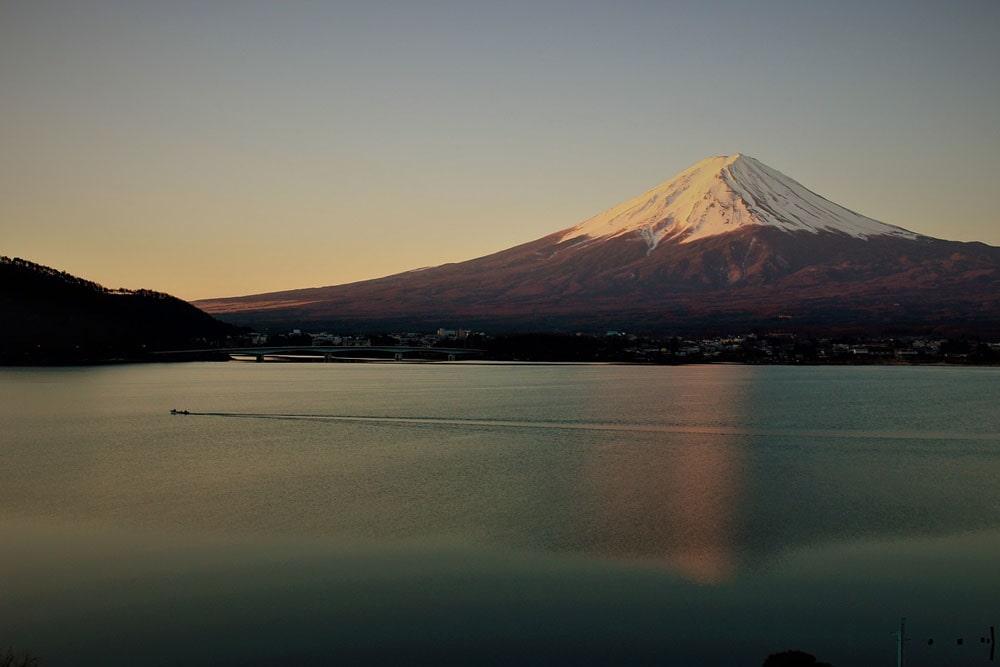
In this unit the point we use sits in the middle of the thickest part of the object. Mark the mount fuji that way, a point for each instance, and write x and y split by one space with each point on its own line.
727 244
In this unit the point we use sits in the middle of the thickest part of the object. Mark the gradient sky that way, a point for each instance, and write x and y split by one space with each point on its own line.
216 148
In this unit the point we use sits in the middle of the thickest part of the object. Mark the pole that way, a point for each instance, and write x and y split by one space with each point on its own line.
899 642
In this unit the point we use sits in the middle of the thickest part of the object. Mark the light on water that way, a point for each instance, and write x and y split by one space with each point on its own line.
498 514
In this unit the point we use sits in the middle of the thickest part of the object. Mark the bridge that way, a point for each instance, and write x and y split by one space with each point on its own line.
335 353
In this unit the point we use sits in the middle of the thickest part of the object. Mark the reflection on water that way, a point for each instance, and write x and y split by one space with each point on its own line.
374 514
669 502
673 498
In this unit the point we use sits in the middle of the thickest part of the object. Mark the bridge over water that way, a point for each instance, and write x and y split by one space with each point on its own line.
334 353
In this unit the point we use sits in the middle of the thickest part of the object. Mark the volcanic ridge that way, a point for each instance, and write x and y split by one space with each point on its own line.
727 244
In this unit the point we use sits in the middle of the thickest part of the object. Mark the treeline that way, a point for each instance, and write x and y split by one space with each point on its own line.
555 347
49 316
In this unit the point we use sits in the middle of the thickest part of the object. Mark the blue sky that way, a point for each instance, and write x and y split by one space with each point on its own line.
218 148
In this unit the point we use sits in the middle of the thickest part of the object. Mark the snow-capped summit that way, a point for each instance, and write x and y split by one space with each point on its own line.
722 194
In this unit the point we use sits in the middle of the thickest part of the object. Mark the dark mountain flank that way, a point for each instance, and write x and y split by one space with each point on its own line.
728 244
49 316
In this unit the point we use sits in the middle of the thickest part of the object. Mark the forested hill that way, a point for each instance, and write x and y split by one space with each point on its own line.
50 316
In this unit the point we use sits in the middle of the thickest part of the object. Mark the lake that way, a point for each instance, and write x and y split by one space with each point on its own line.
462 513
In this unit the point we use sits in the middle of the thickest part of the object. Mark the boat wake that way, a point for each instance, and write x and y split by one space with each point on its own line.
702 429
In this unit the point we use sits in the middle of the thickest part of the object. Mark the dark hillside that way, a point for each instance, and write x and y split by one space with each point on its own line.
49 316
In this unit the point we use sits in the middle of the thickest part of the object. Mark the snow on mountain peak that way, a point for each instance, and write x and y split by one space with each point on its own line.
722 194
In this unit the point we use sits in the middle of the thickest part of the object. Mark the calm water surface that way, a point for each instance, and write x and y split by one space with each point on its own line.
313 514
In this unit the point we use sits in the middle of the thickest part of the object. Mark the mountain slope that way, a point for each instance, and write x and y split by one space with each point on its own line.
729 242
49 316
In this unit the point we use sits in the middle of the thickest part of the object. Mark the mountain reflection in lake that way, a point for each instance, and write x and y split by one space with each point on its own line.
672 497
461 513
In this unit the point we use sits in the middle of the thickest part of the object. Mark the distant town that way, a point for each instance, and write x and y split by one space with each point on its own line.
623 347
